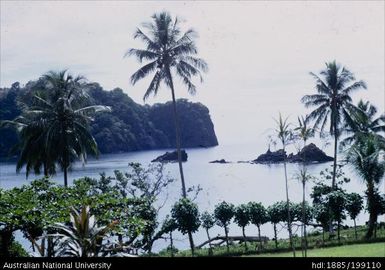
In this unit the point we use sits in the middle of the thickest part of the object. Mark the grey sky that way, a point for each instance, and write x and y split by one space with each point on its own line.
259 53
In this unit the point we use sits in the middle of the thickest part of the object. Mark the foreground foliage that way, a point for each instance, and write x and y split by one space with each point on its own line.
128 200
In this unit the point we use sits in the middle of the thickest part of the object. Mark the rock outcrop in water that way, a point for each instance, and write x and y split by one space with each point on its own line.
171 157
221 161
310 153
271 157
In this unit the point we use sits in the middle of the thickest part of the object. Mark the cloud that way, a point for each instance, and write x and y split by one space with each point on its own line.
255 50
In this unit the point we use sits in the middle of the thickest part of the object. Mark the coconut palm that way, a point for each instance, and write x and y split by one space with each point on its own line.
364 123
303 176
284 135
367 159
304 133
333 102
169 53
54 126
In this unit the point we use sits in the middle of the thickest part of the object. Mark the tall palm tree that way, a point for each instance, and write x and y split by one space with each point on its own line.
304 177
284 135
364 123
169 53
366 156
54 127
333 102
304 133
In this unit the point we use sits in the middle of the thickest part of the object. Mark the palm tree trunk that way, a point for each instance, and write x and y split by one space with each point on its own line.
338 231
372 210
355 228
305 234
45 168
275 235
288 207
331 232
190 238
335 159
178 148
304 247
178 143
65 155
323 236
65 177
244 238
171 245
303 203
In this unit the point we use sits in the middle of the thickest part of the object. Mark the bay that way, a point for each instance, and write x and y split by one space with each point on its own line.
234 182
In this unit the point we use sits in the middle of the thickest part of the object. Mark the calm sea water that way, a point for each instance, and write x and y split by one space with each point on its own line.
236 182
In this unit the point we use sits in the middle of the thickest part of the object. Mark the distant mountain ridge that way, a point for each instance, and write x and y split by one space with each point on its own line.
129 127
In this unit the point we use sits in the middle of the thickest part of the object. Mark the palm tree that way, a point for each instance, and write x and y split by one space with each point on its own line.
364 124
284 134
304 133
54 128
169 53
303 176
366 156
333 102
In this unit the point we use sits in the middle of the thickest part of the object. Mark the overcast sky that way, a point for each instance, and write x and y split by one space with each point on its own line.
259 53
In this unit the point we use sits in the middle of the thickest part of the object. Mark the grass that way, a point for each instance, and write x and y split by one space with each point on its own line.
347 246
358 250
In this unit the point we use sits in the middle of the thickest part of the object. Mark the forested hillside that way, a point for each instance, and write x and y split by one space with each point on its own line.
128 127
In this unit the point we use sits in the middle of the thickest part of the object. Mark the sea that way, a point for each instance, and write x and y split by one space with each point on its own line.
233 182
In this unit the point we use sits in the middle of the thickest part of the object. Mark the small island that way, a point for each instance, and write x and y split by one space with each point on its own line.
220 161
309 154
171 157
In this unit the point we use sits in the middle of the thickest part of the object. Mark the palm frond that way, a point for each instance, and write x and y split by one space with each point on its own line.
321 86
142 54
93 109
185 49
154 85
197 63
189 36
355 86
143 72
150 44
185 76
